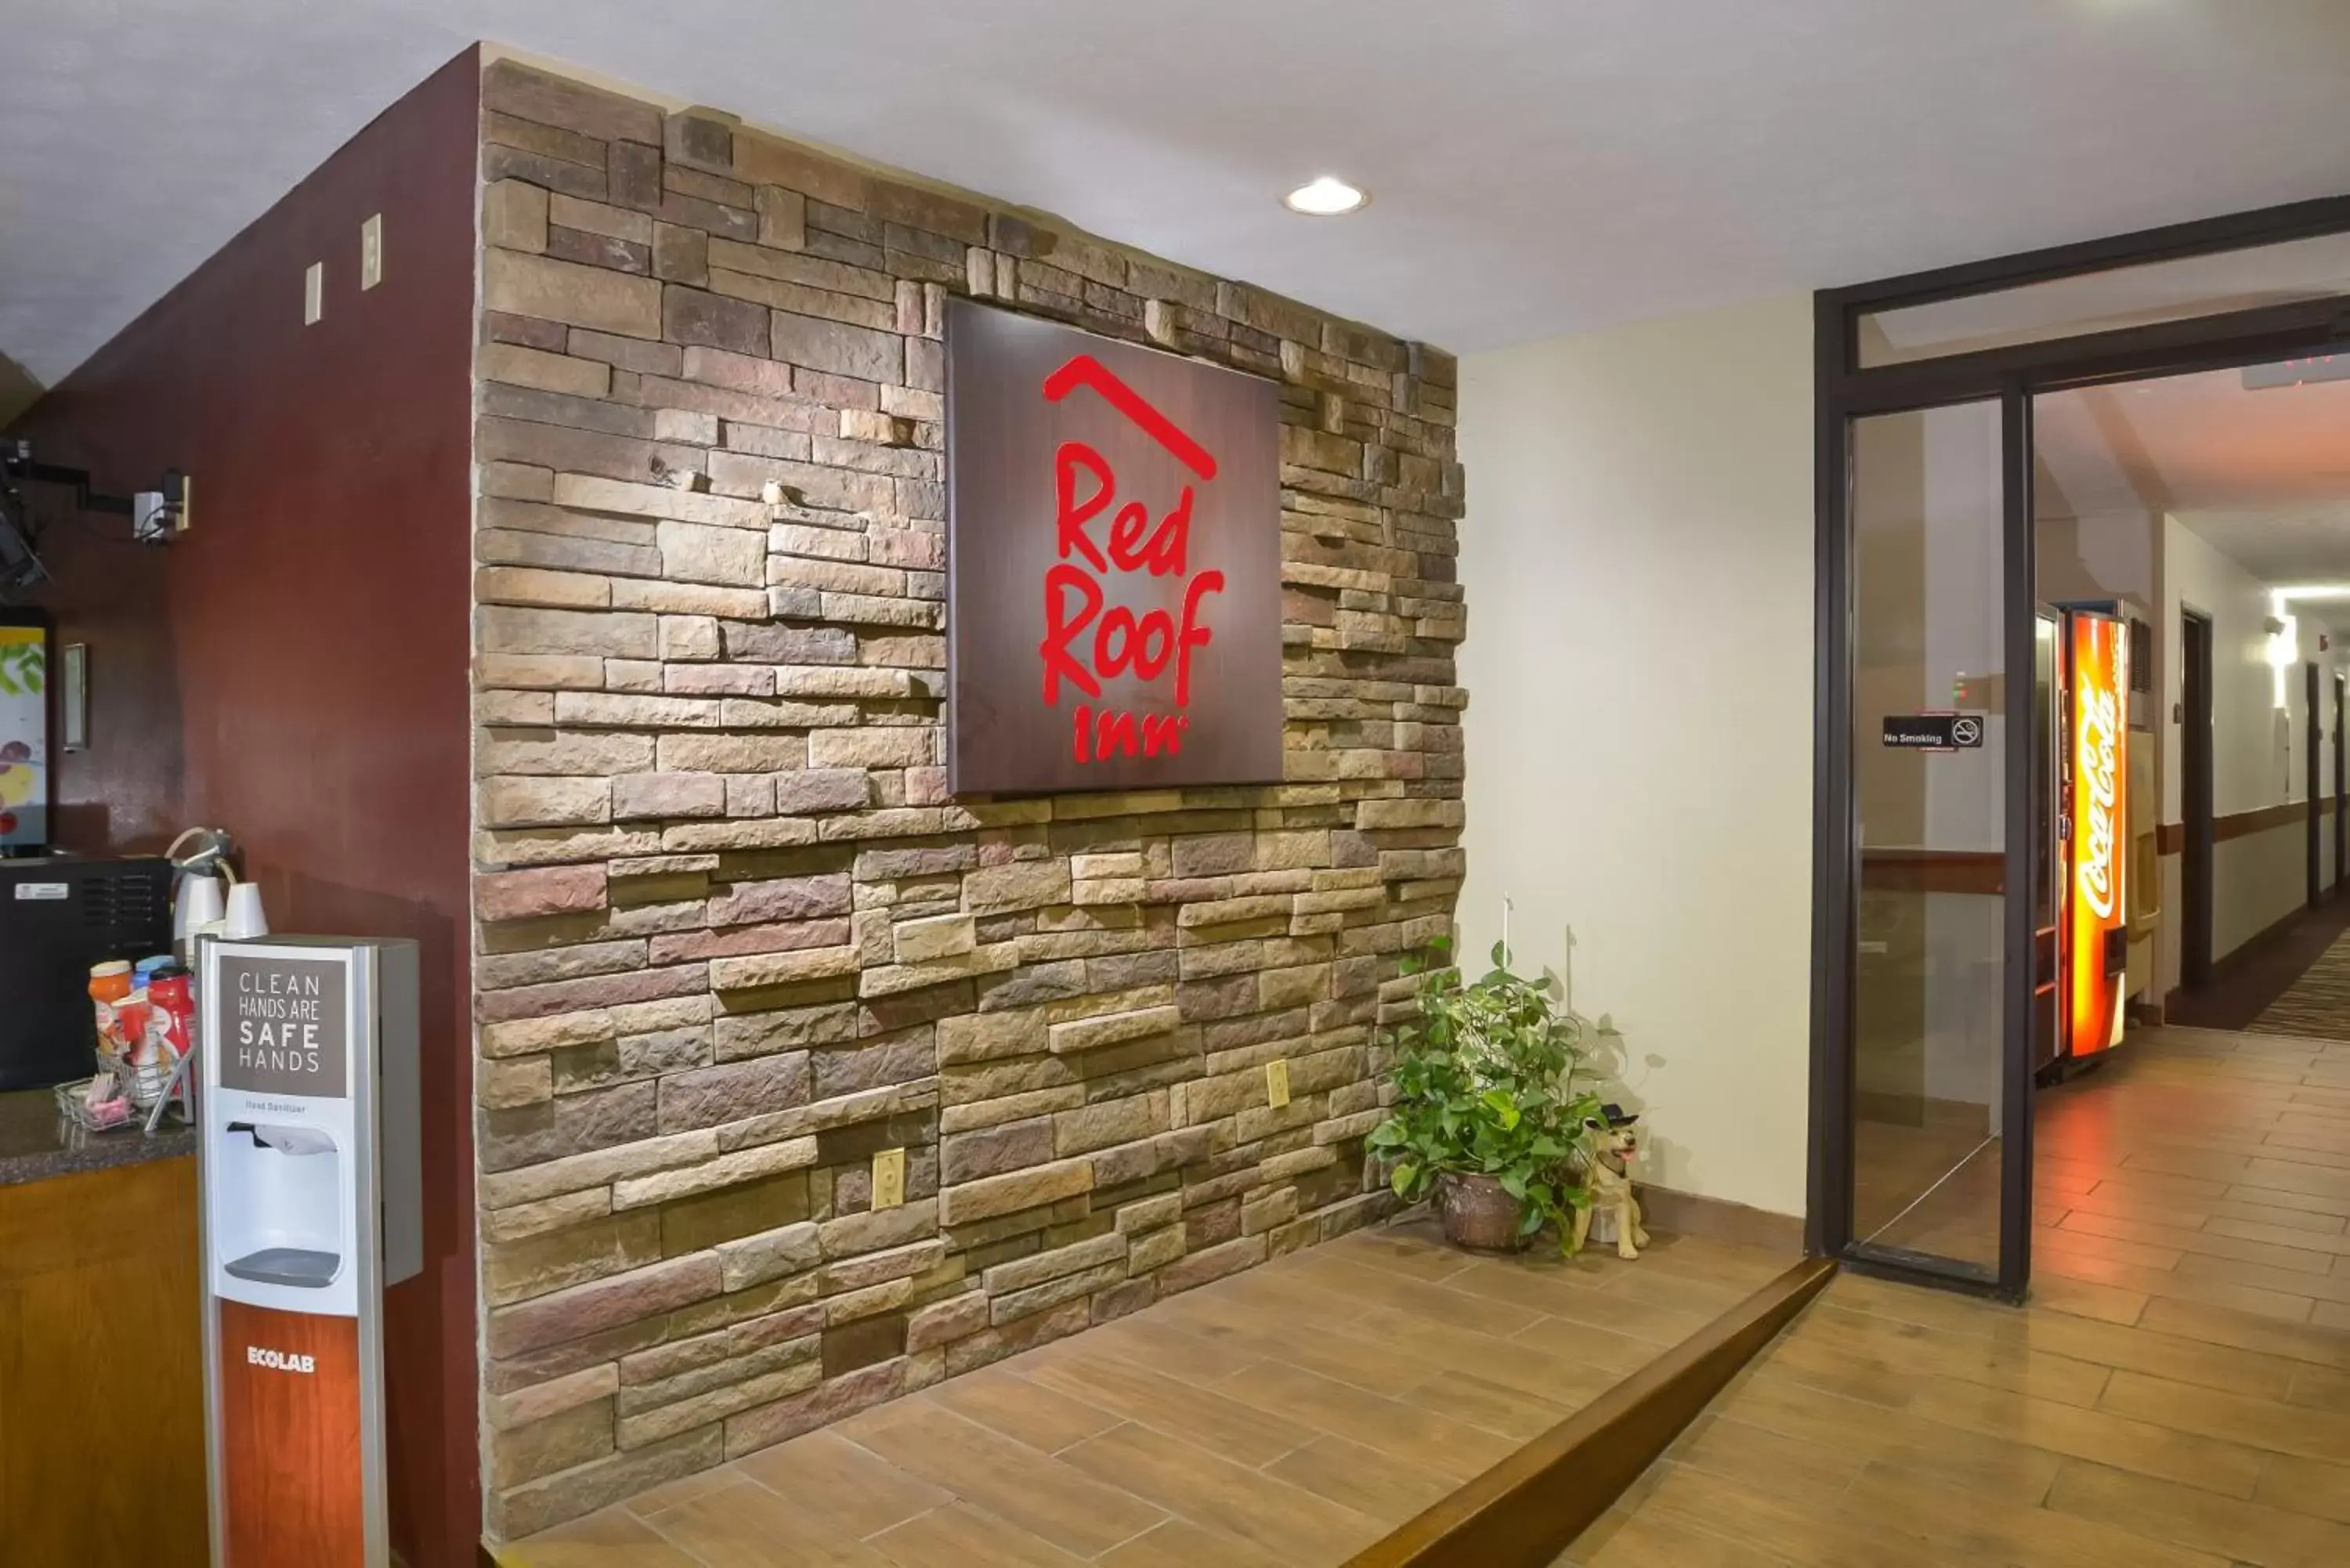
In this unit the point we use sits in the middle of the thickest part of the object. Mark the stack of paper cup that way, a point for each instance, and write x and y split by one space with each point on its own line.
244 919
200 911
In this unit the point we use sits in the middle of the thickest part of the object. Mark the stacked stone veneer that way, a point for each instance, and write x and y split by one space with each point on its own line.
734 937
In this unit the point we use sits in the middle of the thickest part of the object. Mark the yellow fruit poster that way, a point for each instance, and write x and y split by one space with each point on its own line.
24 737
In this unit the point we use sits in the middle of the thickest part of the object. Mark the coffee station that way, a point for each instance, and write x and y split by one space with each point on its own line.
210 1169
98 1244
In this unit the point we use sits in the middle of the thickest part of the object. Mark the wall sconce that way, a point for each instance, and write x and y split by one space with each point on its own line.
2285 652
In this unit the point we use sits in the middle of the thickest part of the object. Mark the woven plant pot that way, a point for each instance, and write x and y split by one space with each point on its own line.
1479 1213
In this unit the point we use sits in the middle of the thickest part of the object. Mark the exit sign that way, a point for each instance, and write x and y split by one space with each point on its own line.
2297 372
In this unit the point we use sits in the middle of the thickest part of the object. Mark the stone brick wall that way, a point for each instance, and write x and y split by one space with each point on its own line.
733 938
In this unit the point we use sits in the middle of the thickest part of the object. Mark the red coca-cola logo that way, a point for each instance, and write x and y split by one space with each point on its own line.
1087 639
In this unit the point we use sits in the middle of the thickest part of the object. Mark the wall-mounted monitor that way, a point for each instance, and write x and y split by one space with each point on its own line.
24 731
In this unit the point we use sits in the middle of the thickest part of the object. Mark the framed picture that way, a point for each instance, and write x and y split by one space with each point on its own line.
24 730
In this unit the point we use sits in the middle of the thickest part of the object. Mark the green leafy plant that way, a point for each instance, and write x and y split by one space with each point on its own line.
1485 1085
22 665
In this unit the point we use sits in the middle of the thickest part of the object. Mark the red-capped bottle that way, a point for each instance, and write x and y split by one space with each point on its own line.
171 1014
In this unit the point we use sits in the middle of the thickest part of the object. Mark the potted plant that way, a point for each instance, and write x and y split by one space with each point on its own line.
1488 1117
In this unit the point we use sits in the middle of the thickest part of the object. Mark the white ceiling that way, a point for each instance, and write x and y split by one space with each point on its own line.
2262 473
2308 545
1538 166
2215 441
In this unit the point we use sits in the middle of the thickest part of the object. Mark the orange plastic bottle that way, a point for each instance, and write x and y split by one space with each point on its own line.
110 991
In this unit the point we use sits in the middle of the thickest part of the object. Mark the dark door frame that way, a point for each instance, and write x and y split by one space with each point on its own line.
2195 849
2013 374
2313 734
2341 789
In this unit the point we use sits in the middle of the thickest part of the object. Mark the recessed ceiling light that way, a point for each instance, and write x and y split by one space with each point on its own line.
1325 197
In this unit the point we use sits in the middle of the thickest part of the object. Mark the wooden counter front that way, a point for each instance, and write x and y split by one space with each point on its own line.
101 1375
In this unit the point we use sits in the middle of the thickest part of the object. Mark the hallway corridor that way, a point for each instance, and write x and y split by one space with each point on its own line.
2263 988
2177 1394
2316 1005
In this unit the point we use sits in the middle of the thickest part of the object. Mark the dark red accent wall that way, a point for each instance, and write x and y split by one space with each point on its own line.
295 667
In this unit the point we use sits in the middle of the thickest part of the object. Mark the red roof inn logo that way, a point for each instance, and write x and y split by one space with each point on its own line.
1114 609
1121 640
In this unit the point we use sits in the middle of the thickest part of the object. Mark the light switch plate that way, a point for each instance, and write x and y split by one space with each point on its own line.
313 294
1277 1084
372 252
890 1178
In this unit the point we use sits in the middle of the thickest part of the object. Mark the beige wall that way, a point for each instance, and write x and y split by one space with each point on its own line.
2257 761
2108 555
2256 881
1638 549
2249 768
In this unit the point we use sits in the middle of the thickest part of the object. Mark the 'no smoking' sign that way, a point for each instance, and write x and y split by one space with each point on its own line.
1933 731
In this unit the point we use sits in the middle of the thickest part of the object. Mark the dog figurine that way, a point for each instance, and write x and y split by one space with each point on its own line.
1615 1147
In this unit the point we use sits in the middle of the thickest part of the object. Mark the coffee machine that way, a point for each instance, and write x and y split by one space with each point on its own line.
59 914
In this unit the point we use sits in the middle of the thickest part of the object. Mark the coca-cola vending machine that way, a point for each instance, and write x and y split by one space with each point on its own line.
2081 904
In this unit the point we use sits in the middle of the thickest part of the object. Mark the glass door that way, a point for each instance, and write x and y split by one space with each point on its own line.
1934 909
2047 840
1941 752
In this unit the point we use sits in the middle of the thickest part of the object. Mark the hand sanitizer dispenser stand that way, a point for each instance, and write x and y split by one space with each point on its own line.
306 1048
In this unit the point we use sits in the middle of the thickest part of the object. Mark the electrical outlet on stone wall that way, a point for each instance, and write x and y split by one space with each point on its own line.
1277 1084
890 1178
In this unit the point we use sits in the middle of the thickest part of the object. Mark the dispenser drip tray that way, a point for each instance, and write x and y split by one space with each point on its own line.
296 1266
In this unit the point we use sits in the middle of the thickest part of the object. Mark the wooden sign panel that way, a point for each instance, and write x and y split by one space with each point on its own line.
289 1412
1113 564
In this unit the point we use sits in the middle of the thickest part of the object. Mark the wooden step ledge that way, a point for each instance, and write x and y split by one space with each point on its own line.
1528 1508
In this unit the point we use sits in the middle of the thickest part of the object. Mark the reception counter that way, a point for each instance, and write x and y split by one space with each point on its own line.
36 1143
101 1391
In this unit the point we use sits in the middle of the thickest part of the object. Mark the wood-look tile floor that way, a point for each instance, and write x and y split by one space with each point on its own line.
2175 1395
1288 1416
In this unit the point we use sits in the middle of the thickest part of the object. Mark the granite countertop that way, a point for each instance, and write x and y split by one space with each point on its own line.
37 1143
